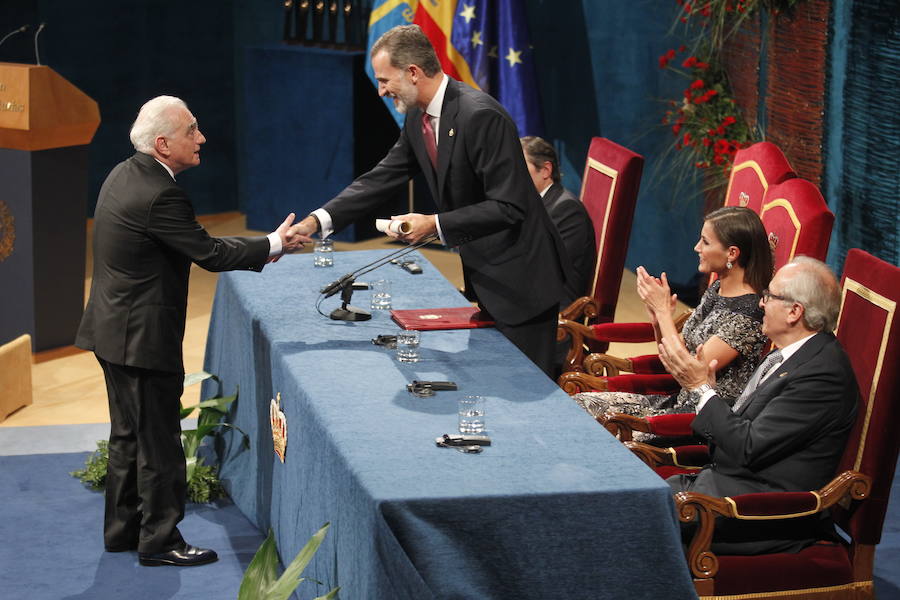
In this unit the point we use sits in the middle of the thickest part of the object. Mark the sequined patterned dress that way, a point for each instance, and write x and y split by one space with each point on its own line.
737 321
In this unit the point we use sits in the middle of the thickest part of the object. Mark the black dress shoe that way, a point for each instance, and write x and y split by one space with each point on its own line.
122 548
187 556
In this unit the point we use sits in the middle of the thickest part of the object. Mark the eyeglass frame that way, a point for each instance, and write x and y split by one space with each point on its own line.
767 295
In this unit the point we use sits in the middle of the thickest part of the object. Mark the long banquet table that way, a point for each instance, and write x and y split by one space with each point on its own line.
555 508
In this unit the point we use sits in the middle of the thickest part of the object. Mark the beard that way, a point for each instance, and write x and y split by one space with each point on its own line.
405 98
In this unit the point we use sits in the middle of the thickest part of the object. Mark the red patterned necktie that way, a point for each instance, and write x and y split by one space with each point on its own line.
430 143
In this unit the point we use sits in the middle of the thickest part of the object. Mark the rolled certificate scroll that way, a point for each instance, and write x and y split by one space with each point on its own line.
385 225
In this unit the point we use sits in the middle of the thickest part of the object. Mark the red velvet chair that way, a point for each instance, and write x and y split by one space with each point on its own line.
753 170
609 189
869 330
798 223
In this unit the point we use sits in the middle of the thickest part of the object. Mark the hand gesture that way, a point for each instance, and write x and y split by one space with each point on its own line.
655 293
421 227
689 371
293 237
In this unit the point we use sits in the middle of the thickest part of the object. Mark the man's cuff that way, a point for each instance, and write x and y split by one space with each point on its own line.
437 225
326 226
704 399
274 244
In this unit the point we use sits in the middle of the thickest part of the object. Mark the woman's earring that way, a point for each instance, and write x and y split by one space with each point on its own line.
728 264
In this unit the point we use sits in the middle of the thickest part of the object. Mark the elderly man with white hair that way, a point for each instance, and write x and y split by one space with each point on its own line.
145 238
788 429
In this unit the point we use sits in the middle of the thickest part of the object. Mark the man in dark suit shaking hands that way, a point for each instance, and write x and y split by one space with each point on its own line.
468 148
788 429
145 238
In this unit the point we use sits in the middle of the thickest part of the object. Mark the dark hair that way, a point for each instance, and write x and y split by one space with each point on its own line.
539 151
407 45
741 227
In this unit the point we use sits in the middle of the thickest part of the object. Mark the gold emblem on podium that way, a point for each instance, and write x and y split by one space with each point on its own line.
7 232
279 427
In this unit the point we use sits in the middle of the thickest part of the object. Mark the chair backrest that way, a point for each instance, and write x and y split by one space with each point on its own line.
797 220
869 330
754 169
609 189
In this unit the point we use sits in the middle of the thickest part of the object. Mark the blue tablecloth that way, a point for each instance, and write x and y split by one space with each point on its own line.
555 508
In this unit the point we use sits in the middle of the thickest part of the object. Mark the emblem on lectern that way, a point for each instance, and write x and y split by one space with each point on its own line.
279 427
7 231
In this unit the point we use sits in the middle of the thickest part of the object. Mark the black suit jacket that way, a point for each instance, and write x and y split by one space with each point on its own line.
577 232
145 238
511 253
790 434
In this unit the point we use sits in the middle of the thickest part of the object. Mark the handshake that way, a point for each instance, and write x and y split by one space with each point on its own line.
294 235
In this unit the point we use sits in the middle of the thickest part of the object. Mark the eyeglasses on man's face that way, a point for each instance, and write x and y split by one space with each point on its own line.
767 295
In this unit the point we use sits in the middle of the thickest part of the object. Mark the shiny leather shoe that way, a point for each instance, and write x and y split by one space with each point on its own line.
187 556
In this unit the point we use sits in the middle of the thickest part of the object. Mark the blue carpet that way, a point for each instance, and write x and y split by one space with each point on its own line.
52 543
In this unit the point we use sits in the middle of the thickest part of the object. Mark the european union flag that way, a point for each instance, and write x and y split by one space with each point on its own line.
492 37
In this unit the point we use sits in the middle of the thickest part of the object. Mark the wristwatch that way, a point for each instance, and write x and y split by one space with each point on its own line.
697 393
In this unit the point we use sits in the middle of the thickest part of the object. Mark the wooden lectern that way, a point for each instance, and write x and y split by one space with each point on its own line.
46 124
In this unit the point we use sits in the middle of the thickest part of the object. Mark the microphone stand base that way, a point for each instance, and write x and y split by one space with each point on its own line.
350 313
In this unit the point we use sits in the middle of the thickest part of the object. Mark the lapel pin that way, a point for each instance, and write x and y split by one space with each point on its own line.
782 374
451 133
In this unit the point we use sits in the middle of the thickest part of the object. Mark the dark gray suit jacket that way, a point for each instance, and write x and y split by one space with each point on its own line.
145 238
511 253
789 436
791 433
574 226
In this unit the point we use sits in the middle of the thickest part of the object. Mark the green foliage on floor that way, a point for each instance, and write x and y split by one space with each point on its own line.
202 479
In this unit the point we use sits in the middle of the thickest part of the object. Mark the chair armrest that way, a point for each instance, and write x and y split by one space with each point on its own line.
600 365
651 455
574 382
576 333
623 425
585 306
623 332
692 506
673 425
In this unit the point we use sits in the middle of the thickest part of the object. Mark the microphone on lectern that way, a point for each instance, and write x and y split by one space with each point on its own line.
345 284
21 29
37 55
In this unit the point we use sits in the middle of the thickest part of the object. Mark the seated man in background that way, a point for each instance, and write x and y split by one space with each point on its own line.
788 429
567 213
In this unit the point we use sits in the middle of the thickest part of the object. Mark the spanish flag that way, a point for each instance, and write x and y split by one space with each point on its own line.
483 43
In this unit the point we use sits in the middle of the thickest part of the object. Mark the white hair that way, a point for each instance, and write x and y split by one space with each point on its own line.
155 119
815 287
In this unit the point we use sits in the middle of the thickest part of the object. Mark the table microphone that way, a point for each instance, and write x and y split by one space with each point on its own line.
335 286
345 285
21 29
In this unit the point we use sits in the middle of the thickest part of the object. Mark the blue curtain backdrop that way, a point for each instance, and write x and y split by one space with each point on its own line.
867 190
596 71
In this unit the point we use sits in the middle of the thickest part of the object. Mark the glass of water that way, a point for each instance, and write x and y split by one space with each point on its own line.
408 345
471 414
381 294
323 253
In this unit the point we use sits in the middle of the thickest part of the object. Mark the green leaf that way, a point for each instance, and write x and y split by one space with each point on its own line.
287 583
191 463
330 595
185 412
261 572
195 378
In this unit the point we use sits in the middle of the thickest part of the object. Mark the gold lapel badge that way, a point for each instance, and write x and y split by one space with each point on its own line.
451 133
279 427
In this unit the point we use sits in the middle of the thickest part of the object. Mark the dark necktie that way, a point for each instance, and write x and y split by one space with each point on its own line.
430 143
773 358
